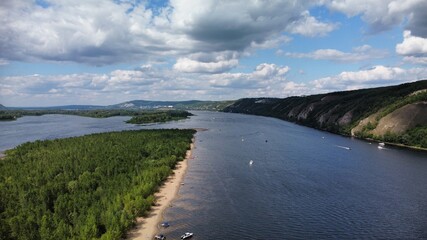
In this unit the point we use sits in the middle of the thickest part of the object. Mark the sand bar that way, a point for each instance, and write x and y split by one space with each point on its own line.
147 227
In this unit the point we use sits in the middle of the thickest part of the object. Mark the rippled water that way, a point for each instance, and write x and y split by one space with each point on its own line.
302 185
31 128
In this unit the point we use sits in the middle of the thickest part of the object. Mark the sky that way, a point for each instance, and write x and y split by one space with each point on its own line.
101 52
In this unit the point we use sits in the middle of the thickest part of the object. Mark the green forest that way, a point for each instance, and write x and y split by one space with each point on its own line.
138 116
89 187
159 116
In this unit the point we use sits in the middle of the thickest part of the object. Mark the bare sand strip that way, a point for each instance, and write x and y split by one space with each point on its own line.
147 227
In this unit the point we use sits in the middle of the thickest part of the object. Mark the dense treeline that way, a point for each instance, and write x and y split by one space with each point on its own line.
416 137
89 187
159 116
13 114
7 116
100 113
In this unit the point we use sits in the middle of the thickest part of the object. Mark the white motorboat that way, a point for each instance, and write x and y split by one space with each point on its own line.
187 235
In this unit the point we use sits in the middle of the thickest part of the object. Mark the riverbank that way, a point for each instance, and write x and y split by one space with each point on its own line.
398 145
147 227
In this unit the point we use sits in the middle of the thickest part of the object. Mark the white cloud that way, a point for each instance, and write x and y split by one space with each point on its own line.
107 32
146 82
412 45
383 14
360 53
216 62
374 77
267 80
415 60
189 65
413 49
296 89
309 26
270 70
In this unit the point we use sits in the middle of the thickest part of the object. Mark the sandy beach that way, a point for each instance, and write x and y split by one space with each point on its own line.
147 227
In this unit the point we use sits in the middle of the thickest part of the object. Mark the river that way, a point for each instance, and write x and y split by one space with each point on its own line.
303 183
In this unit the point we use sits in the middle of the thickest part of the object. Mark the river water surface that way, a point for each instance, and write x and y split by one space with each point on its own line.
303 183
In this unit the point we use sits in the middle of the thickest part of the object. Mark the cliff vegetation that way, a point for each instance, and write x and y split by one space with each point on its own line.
395 114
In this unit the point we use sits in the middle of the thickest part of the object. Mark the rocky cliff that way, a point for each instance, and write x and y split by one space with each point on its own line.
396 114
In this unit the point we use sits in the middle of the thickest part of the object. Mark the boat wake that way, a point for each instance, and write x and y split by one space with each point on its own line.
343 147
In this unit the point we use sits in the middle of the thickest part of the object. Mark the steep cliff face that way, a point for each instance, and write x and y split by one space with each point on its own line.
403 119
398 121
366 113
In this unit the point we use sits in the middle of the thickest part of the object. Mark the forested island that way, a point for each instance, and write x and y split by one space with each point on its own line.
88 187
159 116
138 116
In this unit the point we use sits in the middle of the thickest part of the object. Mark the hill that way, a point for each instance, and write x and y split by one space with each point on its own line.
395 114
139 105
182 105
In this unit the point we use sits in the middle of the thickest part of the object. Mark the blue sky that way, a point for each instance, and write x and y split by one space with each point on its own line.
105 52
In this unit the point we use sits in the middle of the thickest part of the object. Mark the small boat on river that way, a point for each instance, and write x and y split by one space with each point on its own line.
187 235
165 224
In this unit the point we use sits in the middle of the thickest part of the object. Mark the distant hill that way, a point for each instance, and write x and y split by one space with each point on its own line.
182 105
395 114
139 105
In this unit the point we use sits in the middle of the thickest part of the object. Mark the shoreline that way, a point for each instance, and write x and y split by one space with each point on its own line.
147 227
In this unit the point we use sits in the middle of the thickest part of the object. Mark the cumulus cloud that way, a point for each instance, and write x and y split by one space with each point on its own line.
309 26
415 60
234 25
414 49
412 45
149 82
189 65
208 63
107 32
264 76
146 82
267 80
360 53
90 32
384 14
376 76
